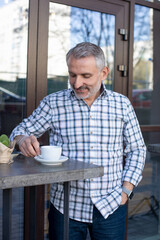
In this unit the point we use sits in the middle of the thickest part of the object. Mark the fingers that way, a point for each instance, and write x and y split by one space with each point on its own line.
35 145
124 198
29 146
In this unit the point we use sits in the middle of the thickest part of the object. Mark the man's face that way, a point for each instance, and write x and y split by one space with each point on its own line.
85 78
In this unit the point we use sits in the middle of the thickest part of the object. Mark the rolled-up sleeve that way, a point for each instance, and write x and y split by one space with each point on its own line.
37 123
134 148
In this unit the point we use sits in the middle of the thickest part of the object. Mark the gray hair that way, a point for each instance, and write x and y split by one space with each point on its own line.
87 49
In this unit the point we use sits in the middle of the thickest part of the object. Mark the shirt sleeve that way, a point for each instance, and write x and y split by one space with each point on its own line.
134 148
37 123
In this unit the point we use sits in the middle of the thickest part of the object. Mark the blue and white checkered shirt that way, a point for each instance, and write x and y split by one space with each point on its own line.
101 134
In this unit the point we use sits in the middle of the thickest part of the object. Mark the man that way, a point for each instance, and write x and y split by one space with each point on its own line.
92 124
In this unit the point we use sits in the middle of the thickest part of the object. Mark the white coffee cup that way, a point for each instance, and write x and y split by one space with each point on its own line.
51 153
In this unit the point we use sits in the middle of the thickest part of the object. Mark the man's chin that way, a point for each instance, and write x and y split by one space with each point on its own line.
81 96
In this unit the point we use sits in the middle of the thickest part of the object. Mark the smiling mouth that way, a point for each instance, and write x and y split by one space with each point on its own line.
81 89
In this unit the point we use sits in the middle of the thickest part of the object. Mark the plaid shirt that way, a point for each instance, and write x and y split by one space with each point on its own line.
102 135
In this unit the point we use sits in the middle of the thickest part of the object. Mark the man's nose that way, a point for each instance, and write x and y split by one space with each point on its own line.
78 82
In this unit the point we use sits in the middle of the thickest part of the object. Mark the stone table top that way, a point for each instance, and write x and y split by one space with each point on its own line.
26 171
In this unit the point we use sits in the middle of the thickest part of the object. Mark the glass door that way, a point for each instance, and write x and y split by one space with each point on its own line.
143 212
13 73
63 24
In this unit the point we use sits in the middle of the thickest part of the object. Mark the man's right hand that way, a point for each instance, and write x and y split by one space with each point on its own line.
28 145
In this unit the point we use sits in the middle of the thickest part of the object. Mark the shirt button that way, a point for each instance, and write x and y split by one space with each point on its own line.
91 147
91 132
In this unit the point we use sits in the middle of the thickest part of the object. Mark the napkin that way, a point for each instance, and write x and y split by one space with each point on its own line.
5 152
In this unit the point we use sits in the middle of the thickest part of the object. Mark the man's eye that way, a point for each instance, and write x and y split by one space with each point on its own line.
72 75
86 76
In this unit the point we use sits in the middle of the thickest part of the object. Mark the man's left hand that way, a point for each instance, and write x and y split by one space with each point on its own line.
124 198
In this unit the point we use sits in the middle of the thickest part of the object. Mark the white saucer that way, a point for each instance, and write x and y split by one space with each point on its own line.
46 162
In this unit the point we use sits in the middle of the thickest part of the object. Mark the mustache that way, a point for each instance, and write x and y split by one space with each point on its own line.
81 88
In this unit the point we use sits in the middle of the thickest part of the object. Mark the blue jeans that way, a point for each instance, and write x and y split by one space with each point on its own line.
112 228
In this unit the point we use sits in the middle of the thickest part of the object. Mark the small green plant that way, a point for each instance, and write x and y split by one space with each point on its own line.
4 139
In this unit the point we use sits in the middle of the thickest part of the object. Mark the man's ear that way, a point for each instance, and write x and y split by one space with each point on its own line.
104 73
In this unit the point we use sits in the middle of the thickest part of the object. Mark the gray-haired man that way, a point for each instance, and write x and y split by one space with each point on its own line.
92 124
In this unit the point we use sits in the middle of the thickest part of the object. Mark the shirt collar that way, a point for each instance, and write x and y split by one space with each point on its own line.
104 90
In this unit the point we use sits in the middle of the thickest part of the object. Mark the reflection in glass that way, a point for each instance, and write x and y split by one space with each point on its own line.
13 65
143 63
146 86
143 210
69 26
13 62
